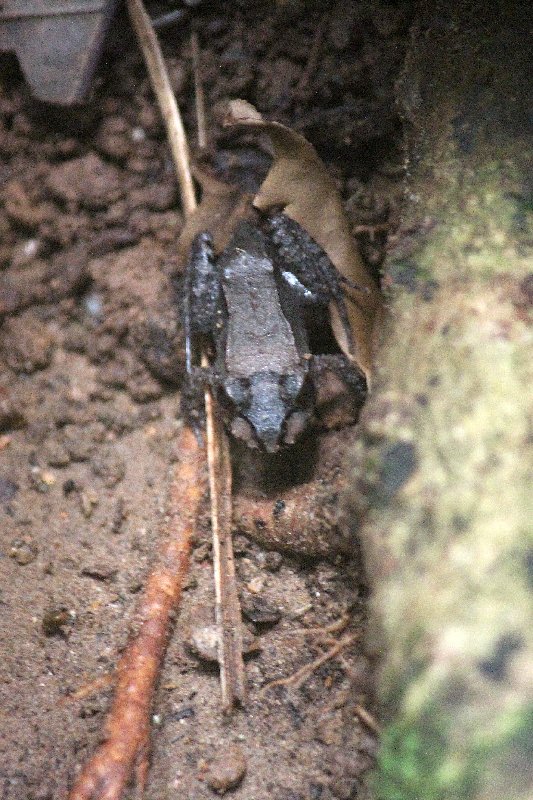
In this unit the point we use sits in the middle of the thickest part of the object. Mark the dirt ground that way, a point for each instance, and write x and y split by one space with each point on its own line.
91 360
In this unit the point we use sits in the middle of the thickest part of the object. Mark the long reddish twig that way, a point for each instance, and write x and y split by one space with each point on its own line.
123 755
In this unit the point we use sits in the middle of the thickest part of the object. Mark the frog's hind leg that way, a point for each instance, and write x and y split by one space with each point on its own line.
307 268
201 296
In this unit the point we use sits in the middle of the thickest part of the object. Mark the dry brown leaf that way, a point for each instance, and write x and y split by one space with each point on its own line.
299 182
221 208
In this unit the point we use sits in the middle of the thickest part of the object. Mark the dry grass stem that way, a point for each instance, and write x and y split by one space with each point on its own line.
228 611
227 603
167 102
199 98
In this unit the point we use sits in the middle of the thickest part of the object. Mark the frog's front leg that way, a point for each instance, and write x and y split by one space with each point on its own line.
201 309
202 296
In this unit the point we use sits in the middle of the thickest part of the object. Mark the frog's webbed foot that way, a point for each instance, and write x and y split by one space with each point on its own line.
340 389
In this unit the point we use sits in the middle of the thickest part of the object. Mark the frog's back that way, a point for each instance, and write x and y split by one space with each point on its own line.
259 336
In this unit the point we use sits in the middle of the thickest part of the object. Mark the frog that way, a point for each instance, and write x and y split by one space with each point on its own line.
258 307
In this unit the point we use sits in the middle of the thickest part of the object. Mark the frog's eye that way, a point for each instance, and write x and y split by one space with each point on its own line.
238 391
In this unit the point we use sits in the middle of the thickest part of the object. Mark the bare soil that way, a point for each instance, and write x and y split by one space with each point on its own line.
91 360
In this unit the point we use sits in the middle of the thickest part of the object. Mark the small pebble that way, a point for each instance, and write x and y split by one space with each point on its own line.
257 610
41 480
55 619
88 500
119 516
203 642
138 135
23 552
48 478
100 572
185 712
226 770
56 455
93 305
256 585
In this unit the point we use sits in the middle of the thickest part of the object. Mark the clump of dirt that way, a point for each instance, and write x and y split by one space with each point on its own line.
91 359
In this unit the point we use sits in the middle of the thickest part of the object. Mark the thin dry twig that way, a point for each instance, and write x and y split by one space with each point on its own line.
124 752
227 605
91 688
298 677
367 718
228 610
334 627
199 97
166 101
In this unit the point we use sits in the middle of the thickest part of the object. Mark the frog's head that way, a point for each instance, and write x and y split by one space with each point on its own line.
268 409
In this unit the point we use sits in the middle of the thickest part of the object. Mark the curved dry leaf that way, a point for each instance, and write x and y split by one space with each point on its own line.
299 182
221 208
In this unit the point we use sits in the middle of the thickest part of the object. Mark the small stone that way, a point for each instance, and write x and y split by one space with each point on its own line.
56 455
226 770
109 466
185 712
203 642
119 516
23 552
55 619
100 571
259 611
256 585
88 500
48 478
37 482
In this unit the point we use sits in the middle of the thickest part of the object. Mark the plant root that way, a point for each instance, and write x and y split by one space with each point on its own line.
124 753
324 636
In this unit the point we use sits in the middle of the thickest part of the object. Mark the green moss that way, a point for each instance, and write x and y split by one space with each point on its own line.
488 229
419 760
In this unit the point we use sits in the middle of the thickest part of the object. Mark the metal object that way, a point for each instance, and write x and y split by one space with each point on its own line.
57 43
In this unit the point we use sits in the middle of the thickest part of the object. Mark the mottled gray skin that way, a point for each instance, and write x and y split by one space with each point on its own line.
251 301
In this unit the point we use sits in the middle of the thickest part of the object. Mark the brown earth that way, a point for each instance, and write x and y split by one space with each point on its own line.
90 366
